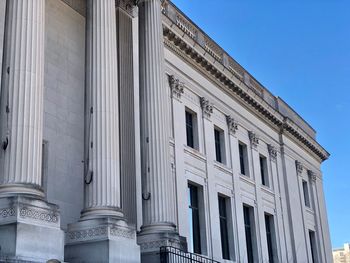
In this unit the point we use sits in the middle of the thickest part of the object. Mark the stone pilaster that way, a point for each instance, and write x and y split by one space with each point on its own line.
102 175
22 98
26 217
158 188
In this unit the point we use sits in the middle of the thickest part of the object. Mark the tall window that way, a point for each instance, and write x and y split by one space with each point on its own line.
263 170
219 145
306 193
270 237
248 215
191 129
243 158
224 227
195 236
312 246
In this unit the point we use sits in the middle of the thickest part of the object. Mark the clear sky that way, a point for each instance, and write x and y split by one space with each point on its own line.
300 51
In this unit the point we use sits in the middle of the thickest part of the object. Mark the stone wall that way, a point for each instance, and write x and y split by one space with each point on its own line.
64 108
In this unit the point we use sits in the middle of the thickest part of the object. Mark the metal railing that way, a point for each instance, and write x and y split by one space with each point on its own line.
175 255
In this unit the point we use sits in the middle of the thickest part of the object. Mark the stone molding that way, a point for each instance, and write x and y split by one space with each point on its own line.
191 51
232 124
207 107
272 152
299 166
254 139
100 232
7 212
177 87
156 244
47 216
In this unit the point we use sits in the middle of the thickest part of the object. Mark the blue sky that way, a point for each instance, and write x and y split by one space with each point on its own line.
300 51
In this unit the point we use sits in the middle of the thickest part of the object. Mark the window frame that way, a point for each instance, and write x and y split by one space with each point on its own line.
219 143
243 158
250 233
191 129
264 173
306 193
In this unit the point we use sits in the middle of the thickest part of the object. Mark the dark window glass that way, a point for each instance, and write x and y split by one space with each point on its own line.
223 228
269 236
306 194
248 233
241 158
194 219
263 171
217 145
312 246
189 129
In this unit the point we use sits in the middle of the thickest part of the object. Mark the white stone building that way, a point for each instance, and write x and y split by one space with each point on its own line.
125 128
342 255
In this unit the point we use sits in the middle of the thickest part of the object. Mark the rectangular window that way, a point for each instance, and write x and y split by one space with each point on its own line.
248 216
306 193
219 145
243 158
194 220
263 170
270 237
312 246
191 129
224 227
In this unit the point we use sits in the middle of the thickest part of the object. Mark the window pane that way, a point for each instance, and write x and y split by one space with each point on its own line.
248 234
217 145
189 129
269 236
195 239
312 245
223 228
306 194
241 158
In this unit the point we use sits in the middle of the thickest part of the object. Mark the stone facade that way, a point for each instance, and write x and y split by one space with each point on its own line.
342 255
96 161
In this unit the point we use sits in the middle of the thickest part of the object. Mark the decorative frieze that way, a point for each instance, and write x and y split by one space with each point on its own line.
254 139
36 214
207 107
272 152
177 87
7 212
299 166
232 124
99 232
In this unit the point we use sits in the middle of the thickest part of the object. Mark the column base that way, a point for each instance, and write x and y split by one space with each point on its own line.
102 240
8 190
30 230
153 237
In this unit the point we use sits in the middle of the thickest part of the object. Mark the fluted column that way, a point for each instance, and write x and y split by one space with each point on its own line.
22 98
159 202
102 176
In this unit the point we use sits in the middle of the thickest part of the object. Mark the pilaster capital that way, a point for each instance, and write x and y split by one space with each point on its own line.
129 6
177 87
207 107
254 139
299 166
232 124
312 175
272 152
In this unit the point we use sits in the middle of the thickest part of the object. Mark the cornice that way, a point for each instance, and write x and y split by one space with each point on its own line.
183 38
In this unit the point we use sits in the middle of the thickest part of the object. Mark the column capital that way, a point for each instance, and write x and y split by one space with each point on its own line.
299 166
207 107
254 139
312 175
177 87
232 124
129 6
272 152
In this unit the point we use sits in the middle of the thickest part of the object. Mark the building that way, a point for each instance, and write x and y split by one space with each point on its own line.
342 255
125 128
